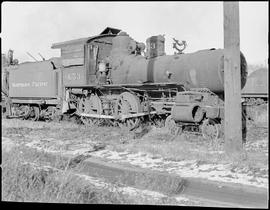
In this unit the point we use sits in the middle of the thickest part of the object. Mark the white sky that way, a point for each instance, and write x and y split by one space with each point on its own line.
33 26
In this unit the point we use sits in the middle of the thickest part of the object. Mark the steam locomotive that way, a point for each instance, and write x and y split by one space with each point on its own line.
113 79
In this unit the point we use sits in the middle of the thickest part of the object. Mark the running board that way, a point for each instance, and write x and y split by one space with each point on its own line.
121 117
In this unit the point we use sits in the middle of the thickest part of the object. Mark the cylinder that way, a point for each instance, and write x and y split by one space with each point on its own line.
186 112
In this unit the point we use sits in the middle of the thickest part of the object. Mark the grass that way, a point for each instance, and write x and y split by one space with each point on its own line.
156 142
21 182
258 114
26 177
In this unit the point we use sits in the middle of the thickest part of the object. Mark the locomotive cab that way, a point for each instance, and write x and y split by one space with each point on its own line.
96 60
85 61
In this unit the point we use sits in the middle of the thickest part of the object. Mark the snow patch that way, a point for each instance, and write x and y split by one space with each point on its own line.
7 144
186 168
191 168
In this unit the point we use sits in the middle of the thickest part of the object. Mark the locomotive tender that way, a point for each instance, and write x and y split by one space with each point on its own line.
109 78
255 91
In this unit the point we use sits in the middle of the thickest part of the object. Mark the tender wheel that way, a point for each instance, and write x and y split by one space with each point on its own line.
172 127
210 129
27 111
55 114
35 113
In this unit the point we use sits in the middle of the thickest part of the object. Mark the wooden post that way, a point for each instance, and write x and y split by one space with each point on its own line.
232 81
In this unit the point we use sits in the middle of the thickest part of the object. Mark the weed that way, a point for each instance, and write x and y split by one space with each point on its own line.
26 182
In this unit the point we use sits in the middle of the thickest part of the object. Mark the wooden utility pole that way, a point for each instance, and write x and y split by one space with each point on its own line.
232 80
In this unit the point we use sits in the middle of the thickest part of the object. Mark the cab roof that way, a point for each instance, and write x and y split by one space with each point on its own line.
106 31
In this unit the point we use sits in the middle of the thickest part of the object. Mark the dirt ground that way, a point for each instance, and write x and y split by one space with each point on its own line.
186 155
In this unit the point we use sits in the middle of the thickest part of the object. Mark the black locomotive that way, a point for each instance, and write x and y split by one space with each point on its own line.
112 79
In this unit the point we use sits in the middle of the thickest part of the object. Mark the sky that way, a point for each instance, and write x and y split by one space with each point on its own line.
34 26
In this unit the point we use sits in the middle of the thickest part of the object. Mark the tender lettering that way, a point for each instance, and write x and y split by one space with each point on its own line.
39 84
28 84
